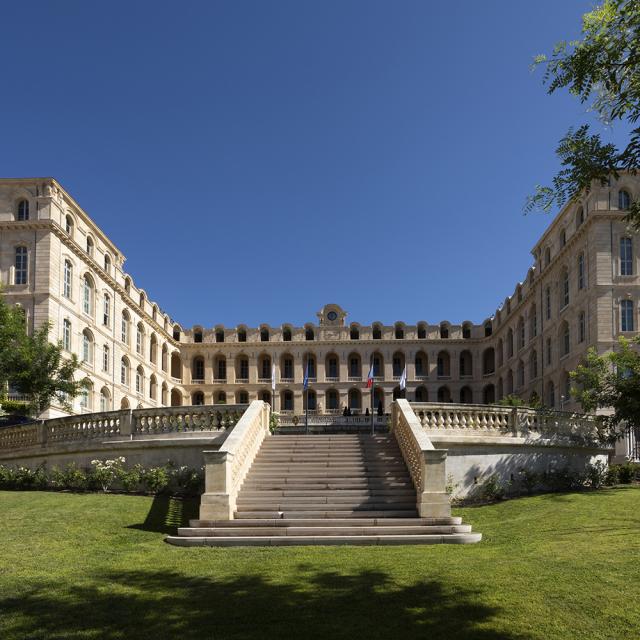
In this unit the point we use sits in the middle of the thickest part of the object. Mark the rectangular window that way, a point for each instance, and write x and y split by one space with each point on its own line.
66 286
626 257
244 369
105 358
66 335
581 271
86 298
548 302
125 331
565 290
549 355
123 373
106 315
21 266
626 315
582 329
139 341
288 368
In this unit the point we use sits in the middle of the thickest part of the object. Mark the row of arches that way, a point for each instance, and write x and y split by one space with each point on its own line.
355 366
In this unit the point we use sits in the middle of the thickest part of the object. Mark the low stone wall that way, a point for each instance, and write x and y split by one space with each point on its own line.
485 440
146 436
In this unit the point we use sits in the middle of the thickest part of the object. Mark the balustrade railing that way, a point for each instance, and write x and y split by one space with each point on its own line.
186 419
507 421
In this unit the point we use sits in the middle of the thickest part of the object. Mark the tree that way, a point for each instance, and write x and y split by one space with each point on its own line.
601 70
32 365
611 381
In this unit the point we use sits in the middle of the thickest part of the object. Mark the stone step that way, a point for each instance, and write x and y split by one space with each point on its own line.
326 513
327 522
325 502
243 541
309 493
321 531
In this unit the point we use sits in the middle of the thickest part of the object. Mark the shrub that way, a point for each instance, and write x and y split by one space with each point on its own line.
7 477
596 474
131 478
188 480
105 473
70 477
15 406
156 479
626 472
564 479
492 488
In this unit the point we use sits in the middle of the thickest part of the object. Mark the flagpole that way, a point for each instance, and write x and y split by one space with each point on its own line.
373 384
306 411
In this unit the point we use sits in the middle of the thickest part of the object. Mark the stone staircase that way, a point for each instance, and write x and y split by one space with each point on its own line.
326 490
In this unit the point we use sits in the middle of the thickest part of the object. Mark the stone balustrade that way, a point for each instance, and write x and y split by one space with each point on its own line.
226 468
508 421
426 464
287 419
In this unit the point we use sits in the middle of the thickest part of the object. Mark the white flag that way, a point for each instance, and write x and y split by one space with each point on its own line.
273 376
403 379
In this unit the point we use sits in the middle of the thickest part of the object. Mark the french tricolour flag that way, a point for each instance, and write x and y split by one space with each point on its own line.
370 377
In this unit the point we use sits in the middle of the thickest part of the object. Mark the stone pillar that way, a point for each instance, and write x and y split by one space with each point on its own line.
216 502
434 501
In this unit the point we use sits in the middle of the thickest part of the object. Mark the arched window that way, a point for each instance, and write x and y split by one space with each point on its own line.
23 210
197 370
124 328
310 366
422 331
489 394
444 365
626 257
286 334
220 368
551 394
547 302
67 278
579 217
399 331
444 395
176 398
355 367
521 333
332 400
520 375
466 331
86 396
107 263
242 368
547 257
140 339
466 395
510 343
87 347
421 365
242 335
564 300
87 295
488 329
444 331
355 400
165 355
581 271
127 285
264 334
466 364
176 366
377 332
197 335
106 310
422 395
286 400
66 334
164 394
533 322
219 335
624 200
309 400
142 300
332 367
197 398
242 397
105 400
354 332
153 349
264 367
21 266
488 361
582 327
563 238
397 364
626 315
106 358
68 225
90 246
377 363
565 339
533 372
176 334
286 367
309 334
153 387
221 397
140 381
124 372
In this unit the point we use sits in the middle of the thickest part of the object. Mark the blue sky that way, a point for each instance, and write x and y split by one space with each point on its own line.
256 160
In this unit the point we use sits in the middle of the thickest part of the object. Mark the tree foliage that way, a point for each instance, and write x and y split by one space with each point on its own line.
611 381
602 70
32 365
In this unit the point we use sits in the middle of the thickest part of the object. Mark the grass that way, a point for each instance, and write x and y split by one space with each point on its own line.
77 566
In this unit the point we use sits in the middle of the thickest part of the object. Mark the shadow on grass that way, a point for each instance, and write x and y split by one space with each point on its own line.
167 513
312 604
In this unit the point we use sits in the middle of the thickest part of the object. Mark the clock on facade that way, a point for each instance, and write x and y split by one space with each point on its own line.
332 315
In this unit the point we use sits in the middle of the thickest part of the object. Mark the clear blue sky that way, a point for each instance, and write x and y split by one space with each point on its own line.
256 160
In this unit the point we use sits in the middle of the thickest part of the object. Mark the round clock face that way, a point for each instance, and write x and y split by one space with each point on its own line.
332 315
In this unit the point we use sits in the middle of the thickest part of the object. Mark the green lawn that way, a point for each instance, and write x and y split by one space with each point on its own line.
95 566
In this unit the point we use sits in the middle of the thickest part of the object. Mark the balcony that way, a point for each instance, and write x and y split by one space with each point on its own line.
332 379
420 377
219 381
286 380
264 380
354 379
242 380
197 380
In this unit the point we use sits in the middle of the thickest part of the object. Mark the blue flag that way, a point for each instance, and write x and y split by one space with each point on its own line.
305 383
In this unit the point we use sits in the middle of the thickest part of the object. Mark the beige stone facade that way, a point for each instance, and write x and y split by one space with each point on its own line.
582 290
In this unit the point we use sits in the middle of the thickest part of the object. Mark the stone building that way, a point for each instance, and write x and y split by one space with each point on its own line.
583 289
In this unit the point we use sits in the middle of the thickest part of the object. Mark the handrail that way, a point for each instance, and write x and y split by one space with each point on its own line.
426 464
226 468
